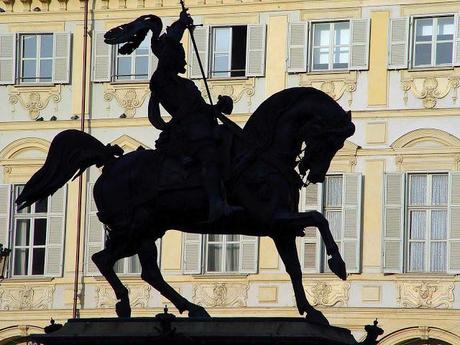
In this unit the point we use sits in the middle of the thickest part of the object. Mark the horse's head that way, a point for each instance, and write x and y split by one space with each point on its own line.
322 143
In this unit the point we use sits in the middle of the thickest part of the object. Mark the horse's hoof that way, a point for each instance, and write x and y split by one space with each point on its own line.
123 309
337 266
315 316
198 312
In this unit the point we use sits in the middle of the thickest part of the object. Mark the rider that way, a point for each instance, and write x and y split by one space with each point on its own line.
191 129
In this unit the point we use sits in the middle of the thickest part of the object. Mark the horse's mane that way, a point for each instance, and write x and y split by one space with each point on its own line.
263 122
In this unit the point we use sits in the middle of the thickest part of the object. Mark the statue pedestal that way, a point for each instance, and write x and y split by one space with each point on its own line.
165 329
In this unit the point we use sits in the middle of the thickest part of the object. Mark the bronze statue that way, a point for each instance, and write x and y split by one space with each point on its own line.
144 193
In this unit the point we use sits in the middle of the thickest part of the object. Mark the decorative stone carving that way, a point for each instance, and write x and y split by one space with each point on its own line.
63 5
34 99
104 4
26 297
221 295
26 4
46 4
430 89
235 89
139 296
336 88
327 294
426 294
129 97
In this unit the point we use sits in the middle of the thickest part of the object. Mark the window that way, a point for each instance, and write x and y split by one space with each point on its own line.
339 199
328 46
228 51
134 66
37 237
233 51
427 223
421 224
424 42
38 58
433 41
331 46
220 253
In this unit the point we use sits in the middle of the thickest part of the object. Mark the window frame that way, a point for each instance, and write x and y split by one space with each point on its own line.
114 64
413 43
37 59
224 244
331 47
407 224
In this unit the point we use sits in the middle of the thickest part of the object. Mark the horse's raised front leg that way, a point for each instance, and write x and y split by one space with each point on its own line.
152 275
288 252
104 260
316 219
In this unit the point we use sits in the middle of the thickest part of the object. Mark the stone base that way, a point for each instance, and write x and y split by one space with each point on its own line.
165 329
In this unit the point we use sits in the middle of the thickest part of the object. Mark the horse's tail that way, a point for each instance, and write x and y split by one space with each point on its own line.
70 154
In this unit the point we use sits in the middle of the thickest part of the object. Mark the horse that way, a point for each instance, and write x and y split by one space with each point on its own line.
138 205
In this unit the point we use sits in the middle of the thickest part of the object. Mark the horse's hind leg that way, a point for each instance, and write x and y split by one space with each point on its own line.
288 252
104 260
152 275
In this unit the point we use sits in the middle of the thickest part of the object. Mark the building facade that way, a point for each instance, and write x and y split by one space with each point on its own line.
392 195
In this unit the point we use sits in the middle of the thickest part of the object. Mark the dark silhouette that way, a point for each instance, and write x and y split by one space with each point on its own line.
144 193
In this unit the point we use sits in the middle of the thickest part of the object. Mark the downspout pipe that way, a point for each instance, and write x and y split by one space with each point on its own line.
80 179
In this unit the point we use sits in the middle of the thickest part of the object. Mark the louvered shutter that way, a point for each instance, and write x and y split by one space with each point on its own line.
61 60
311 200
351 221
255 50
453 249
201 35
393 223
55 234
102 58
359 57
95 234
249 254
192 253
456 50
297 47
5 207
398 54
7 58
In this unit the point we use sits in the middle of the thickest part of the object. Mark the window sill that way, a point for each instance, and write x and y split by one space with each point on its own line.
423 276
29 85
28 279
221 275
431 69
228 78
129 82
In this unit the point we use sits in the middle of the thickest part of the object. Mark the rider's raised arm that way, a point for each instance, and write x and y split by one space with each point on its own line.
176 30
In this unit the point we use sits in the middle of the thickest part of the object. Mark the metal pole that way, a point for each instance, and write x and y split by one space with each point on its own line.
80 179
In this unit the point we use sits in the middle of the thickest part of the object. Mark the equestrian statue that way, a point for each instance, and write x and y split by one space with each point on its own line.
203 177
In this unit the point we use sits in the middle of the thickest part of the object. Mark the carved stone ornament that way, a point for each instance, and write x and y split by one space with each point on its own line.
423 294
26 297
139 296
128 97
336 88
430 89
235 89
34 99
327 294
221 295
63 5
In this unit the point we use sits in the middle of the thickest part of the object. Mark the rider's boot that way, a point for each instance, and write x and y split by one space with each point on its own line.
218 206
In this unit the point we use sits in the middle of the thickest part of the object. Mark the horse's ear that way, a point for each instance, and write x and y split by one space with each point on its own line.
349 114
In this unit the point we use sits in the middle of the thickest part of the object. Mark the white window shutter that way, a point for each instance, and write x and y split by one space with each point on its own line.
398 50
192 253
297 47
456 50
201 35
359 55
393 222
95 234
249 254
5 209
255 50
351 221
310 249
7 59
55 234
102 58
453 248
61 60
